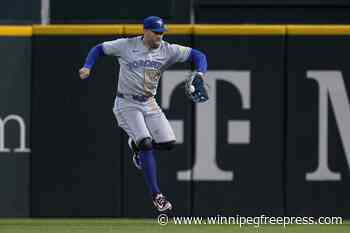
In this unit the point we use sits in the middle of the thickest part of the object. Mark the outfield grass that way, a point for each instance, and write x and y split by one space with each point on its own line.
149 226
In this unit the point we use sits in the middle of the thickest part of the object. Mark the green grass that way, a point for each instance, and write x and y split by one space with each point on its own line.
150 226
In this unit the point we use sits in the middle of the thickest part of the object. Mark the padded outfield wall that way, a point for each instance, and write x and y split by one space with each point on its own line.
277 123
15 102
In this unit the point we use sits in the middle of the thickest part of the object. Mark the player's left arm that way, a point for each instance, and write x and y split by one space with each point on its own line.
187 54
195 86
200 61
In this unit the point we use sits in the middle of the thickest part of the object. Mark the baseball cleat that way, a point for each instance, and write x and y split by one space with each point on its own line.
135 154
161 203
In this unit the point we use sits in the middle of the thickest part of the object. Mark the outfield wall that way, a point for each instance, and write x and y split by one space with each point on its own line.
15 102
273 139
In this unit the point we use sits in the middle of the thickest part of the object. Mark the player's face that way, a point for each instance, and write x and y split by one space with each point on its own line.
153 39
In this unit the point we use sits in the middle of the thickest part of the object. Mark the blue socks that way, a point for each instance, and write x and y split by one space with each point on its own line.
149 168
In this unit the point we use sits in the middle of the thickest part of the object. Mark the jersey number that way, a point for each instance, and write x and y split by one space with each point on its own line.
151 81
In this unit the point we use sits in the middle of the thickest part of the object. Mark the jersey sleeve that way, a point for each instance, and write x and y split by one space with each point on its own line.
179 53
114 47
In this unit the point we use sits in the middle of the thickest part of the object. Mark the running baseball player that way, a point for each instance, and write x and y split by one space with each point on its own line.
143 59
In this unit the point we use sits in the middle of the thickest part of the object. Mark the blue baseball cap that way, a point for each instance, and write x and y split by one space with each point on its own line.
154 23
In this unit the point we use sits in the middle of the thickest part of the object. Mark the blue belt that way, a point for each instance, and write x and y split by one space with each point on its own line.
140 98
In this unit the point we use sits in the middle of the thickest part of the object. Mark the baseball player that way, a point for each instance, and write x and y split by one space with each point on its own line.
143 59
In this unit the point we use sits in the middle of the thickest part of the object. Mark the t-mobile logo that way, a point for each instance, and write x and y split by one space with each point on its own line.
22 134
332 92
205 167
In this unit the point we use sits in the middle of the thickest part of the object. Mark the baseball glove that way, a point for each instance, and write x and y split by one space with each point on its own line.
196 89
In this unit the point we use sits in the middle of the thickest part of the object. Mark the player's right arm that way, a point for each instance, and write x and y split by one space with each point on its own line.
113 48
90 61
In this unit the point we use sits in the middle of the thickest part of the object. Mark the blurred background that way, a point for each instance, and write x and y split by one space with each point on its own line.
274 139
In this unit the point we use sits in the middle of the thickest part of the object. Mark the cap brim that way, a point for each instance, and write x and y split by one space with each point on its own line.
159 30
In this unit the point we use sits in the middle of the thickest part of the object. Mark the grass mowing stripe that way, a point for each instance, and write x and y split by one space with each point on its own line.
149 226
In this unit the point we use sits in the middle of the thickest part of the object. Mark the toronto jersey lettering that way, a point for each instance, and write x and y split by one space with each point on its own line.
141 67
